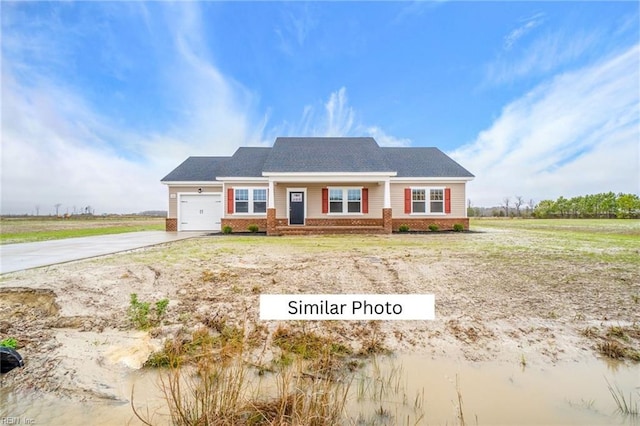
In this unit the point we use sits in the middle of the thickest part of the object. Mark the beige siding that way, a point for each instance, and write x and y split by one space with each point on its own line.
243 185
458 198
314 199
174 190
281 200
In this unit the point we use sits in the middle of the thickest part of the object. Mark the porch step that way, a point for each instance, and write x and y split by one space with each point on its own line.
315 230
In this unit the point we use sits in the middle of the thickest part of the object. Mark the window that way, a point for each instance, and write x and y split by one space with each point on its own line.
353 200
252 201
335 200
259 200
338 196
437 200
417 200
242 201
426 201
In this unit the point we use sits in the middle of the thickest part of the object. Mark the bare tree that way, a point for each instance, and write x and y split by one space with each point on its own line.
530 206
519 201
505 204
57 206
37 210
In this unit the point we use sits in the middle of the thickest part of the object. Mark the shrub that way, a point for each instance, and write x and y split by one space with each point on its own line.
139 312
9 342
403 228
161 308
227 229
458 227
253 228
433 227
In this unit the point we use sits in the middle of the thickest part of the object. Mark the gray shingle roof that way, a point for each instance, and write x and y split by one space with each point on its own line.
245 162
423 162
308 155
200 169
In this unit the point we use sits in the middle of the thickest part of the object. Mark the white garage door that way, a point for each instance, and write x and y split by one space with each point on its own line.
201 212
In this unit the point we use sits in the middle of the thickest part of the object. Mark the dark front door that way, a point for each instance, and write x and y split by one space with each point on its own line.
296 208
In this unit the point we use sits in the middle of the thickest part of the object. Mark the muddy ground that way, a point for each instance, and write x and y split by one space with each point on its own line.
501 295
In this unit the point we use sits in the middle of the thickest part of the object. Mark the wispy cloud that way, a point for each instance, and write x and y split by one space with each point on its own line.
415 9
543 56
335 117
340 116
55 150
58 147
295 25
385 139
529 24
575 134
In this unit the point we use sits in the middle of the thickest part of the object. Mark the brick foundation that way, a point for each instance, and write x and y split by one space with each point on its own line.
343 222
171 225
444 224
241 225
270 224
330 225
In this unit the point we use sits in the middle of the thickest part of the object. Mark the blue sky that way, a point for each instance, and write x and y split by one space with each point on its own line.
100 100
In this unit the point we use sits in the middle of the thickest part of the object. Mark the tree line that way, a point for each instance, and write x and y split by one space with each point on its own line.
603 205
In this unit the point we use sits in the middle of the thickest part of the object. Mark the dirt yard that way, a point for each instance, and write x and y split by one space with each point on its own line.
504 295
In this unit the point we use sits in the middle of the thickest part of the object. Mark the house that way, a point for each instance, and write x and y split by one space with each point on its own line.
318 185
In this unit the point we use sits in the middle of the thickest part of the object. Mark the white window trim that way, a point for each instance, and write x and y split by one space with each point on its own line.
427 201
345 201
250 201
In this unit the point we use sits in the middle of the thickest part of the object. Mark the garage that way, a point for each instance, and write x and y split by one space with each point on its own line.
199 212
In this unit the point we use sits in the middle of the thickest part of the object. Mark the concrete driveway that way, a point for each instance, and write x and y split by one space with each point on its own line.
16 257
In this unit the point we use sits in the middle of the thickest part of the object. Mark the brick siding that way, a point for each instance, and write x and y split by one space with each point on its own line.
387 220
171 225
241 225
330 221
443 224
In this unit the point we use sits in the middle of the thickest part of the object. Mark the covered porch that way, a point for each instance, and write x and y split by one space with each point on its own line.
329 204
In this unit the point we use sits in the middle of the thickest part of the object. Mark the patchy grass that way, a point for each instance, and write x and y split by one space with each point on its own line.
626 406
616 342
591 226
606 240
307 345
24 230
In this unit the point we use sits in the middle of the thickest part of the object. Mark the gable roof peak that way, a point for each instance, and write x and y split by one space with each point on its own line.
326 155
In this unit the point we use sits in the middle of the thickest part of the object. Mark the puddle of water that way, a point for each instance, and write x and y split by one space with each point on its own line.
575 393
404 390
47 410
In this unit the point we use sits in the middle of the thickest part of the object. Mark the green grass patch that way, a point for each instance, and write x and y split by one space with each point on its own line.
307 345
585 226
32 236
601 240
143 316
9 342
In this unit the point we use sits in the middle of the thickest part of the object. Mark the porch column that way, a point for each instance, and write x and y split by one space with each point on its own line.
271 222
271 197
387 212
271 209
387 220
387 194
